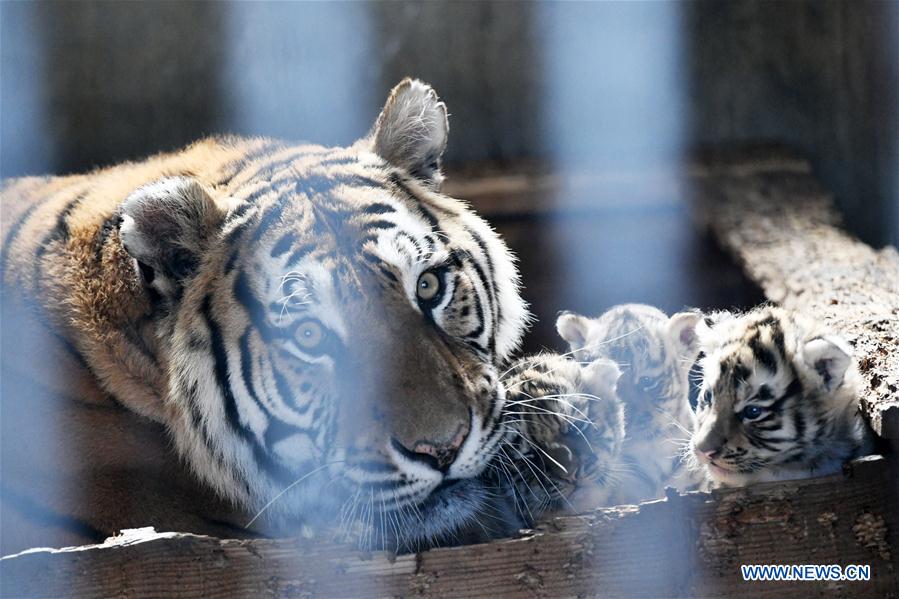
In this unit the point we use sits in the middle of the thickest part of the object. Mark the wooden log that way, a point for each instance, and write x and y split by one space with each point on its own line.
685 545
768 210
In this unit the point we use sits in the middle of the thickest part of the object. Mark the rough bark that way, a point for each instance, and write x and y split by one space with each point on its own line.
769 211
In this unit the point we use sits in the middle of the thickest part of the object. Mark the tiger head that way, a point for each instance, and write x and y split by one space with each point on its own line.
654 352
335 327
778 398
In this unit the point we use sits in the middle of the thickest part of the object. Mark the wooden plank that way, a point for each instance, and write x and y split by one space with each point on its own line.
532 189
780 224
685 545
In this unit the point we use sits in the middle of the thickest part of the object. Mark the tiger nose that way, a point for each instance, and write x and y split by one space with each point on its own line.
439 456
709 453
709 446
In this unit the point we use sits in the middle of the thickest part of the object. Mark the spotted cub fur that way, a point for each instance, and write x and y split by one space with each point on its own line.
779 399
655 354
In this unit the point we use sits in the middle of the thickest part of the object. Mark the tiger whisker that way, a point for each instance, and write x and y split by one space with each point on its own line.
673 420
503 462
511 463
288 488
570 419
537 360
586 396
548 479
535 471
565 417
541 450
563 397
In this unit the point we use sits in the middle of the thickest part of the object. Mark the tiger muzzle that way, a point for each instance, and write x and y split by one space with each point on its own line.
407 390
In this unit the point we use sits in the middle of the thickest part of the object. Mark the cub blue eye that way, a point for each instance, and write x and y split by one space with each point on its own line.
752 412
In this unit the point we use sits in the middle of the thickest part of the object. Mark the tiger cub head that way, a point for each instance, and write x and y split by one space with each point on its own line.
653 351
778 398
335 326
570 428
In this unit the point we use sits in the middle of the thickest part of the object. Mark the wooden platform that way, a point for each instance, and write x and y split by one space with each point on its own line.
684 545
767 210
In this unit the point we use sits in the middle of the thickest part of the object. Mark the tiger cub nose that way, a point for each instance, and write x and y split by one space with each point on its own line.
439 456
708 454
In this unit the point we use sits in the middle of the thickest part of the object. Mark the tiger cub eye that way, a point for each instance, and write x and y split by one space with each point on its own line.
309 334
751 412
428 286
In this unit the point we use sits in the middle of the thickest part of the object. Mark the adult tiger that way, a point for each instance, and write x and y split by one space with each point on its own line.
320 330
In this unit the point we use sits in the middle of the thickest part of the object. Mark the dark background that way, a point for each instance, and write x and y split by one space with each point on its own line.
609 88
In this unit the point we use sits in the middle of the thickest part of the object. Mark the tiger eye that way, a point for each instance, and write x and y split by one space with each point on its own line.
751 412
428 286
309 334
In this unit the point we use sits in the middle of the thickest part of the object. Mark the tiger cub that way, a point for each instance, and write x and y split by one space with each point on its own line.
779 399
655 353
566 427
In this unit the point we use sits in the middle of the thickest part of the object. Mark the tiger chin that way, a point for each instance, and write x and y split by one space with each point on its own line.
779 399
320 330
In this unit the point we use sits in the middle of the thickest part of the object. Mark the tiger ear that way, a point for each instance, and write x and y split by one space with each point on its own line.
682 330
710 320
829 357
166 226
601 377
573 329
411 131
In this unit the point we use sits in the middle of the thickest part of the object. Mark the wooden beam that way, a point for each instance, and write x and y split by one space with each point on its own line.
767 209
688 545
531 191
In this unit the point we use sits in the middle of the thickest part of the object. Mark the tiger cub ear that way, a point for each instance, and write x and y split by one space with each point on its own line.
573 329
166 226
829 358
682 330
411 131
601 377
